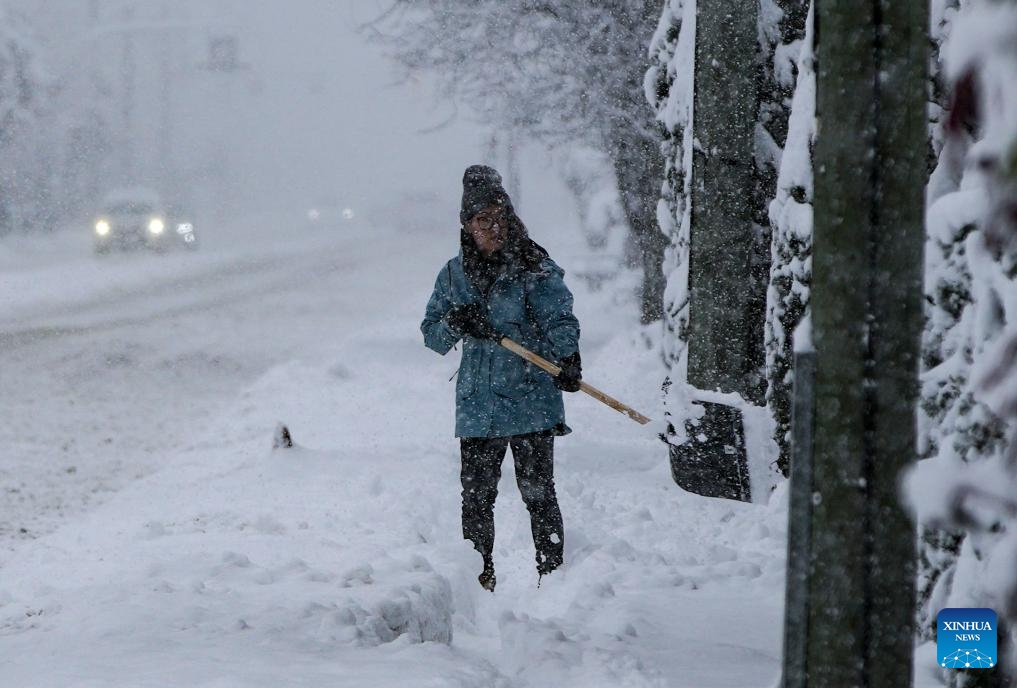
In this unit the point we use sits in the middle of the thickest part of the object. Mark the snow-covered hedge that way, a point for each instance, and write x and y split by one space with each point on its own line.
968 485
787 298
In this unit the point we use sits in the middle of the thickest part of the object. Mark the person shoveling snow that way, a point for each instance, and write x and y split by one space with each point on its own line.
504 283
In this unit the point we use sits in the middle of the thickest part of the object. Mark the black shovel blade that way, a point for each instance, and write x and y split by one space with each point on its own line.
713 461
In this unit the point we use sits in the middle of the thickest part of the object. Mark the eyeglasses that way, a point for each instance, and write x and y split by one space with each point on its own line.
487 222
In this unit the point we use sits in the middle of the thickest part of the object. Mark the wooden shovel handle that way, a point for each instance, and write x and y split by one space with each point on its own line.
589 389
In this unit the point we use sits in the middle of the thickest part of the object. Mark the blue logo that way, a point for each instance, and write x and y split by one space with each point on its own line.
966 638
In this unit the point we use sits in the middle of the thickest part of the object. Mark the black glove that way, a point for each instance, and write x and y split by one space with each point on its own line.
471 319
571 373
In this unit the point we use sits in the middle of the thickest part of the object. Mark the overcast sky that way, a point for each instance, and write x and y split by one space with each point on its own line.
326 115
315 115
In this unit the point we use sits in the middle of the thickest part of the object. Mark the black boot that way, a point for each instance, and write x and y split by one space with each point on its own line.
487 578
546 567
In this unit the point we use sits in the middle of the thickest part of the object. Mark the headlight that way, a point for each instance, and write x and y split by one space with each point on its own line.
102 227
347 213
185 228
155 226
313 214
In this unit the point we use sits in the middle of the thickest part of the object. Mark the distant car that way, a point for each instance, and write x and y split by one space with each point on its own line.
138 219
329 213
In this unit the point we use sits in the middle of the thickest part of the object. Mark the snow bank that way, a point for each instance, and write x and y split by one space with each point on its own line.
240 565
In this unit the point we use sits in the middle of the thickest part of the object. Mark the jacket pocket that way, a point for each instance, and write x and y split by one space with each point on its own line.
467 380
511 376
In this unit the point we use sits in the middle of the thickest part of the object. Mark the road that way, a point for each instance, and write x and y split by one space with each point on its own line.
111 365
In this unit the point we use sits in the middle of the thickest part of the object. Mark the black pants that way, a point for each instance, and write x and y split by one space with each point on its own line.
534 460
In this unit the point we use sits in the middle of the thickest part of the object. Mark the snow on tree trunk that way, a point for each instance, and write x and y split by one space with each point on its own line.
669 89
790 217
723 324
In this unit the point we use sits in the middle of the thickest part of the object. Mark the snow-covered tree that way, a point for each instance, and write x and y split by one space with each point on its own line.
560 73
589 177
964 492
22 83
54 114
948 297
669 89
790 217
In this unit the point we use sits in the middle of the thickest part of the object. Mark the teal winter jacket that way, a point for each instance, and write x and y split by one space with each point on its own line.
499 394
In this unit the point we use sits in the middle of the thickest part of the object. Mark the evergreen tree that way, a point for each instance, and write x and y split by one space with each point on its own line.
55 106
670 93
789 212
963 492
21 83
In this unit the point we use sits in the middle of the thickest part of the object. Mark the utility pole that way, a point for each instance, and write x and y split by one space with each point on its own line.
724 329
166 165
146 39
128 69
867 317
223 68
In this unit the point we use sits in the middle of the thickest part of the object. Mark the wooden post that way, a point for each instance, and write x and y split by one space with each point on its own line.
799 526
866 301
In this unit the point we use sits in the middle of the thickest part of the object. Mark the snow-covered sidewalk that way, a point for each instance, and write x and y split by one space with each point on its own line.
340 562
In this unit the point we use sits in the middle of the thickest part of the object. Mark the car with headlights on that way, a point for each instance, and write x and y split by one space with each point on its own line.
329 213
137 218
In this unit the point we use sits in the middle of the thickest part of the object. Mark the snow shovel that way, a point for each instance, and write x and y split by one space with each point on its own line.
536 360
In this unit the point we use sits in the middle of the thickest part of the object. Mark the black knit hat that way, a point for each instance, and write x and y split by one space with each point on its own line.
481 188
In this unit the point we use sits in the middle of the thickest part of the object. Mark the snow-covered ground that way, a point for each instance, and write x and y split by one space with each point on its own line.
150 536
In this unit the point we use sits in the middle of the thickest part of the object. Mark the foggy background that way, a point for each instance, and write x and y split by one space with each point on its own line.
226 106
